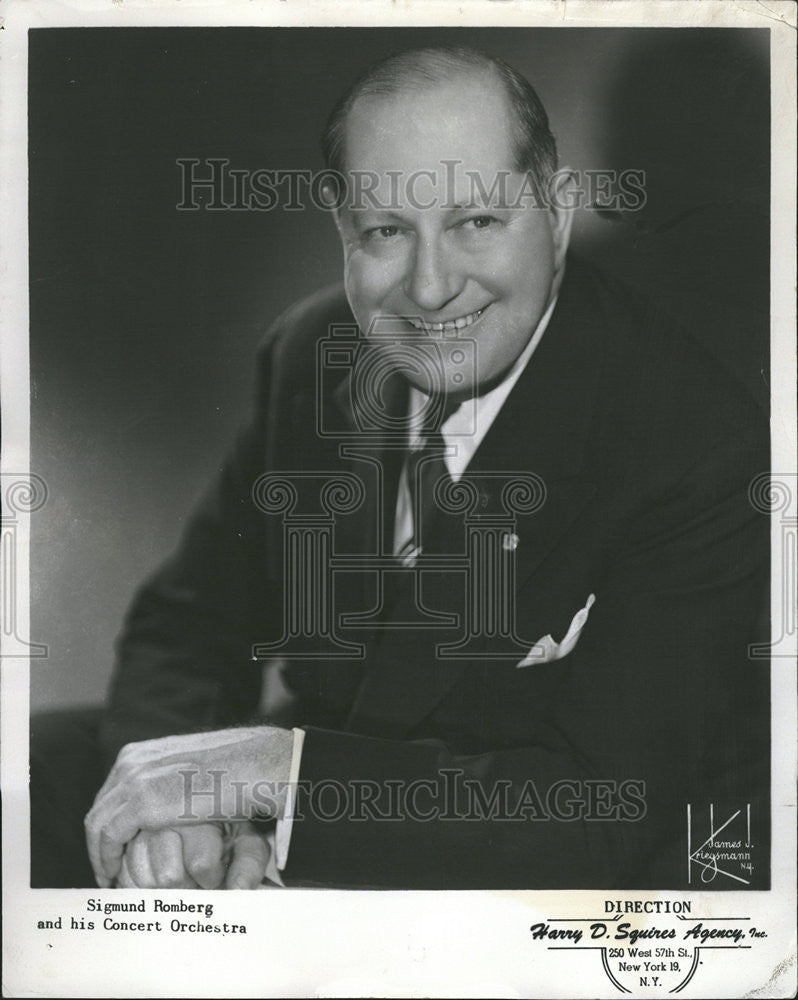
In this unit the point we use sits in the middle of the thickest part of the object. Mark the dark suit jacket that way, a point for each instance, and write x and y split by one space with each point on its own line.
646 450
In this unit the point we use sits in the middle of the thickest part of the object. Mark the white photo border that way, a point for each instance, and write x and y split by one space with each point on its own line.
330 943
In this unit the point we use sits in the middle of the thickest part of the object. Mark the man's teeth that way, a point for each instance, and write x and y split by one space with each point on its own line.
450 326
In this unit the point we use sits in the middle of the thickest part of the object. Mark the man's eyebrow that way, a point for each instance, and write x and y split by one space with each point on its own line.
478 206
373 216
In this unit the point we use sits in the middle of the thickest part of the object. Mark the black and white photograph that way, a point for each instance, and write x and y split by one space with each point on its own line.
399 502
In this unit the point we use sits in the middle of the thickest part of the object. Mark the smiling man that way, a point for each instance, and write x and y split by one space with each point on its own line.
467 244
477 583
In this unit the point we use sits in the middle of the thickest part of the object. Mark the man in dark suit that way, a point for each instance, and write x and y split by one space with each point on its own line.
489 531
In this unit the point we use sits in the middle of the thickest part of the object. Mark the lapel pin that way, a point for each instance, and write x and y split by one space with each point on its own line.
510 542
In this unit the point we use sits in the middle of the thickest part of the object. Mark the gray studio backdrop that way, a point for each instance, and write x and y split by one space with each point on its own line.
145 319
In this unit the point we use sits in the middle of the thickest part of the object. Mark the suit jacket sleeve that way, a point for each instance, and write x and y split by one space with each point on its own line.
184 658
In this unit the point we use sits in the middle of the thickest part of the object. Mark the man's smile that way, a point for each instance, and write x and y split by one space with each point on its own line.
447 326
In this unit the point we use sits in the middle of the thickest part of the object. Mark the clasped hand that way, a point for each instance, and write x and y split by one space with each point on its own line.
197 782
206 856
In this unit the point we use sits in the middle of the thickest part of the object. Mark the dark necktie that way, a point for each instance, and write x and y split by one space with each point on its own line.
425 468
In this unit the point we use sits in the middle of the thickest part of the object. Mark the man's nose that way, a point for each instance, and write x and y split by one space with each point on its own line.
432 279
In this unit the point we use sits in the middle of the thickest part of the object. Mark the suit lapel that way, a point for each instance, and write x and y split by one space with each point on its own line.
543 428
375 456
545 425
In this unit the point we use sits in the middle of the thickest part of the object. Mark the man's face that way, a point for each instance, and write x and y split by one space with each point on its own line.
429 254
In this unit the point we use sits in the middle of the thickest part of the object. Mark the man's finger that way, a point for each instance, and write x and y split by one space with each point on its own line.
167 862
203 854
93 847
125 880
108 829
111 850
250 857
136 870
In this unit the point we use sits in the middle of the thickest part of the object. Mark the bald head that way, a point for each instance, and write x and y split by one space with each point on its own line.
421 70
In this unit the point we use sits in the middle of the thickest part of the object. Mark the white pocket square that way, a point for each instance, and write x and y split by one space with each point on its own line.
546 649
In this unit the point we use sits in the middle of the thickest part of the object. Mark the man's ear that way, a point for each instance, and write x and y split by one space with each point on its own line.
329 197
563 198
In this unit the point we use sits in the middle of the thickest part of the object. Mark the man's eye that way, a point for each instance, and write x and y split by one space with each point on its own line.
480 221
383 232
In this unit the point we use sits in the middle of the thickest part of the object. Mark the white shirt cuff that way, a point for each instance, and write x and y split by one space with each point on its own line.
285 823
